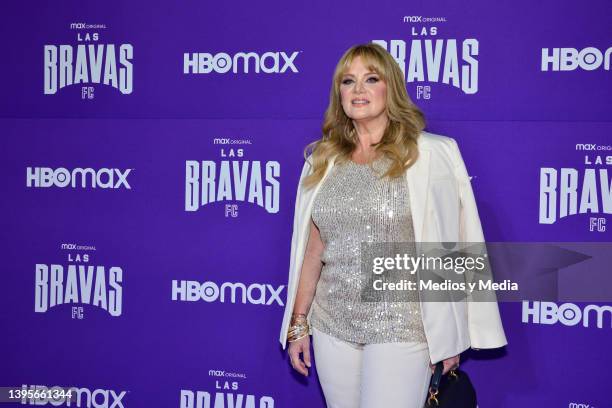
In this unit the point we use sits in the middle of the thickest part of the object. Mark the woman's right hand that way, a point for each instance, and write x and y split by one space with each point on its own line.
301 346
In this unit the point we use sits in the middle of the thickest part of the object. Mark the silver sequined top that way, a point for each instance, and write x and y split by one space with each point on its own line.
354 205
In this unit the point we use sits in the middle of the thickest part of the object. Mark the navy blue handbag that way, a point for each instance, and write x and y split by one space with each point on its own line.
452 390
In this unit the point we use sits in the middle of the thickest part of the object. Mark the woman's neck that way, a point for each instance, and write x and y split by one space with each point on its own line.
368 133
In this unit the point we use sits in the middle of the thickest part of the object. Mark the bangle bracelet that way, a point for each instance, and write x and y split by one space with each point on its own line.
297 338
299 327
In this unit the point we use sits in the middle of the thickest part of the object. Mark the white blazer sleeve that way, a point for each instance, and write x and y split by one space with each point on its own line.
484 321
297 255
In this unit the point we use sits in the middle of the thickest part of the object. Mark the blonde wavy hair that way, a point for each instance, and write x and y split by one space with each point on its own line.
399 141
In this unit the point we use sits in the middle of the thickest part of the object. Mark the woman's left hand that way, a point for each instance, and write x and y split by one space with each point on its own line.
449 364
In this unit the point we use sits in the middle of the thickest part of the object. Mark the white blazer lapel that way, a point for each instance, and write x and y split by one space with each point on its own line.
418 182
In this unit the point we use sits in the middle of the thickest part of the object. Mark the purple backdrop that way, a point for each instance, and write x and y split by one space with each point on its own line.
122 284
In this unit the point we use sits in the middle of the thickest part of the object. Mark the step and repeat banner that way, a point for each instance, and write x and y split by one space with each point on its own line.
150 159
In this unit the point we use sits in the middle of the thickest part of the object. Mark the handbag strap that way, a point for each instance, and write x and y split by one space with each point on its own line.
434 384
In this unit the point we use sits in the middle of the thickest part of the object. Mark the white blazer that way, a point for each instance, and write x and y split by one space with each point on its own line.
443 210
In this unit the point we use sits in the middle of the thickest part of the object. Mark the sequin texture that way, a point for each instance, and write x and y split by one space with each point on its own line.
354 205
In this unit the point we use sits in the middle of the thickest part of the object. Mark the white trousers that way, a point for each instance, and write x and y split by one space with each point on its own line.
386 375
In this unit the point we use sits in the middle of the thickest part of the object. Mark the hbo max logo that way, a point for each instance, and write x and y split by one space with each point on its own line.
61 177
567 314
73 396
268 63
256 293
568 59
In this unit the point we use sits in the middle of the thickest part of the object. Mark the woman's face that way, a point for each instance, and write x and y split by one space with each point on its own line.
363 93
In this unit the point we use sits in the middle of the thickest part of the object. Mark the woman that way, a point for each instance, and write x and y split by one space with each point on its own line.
377 177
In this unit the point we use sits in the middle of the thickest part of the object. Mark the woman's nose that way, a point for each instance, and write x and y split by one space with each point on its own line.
359 86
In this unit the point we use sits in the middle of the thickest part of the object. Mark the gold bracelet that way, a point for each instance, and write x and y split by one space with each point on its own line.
299 327
297 338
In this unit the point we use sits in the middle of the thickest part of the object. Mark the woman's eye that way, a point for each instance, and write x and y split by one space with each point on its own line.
371 80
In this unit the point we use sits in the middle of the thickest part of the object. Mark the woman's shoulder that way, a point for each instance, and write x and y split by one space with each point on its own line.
443 149
434 141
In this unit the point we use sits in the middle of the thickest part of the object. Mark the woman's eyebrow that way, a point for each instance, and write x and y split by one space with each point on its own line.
367 73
